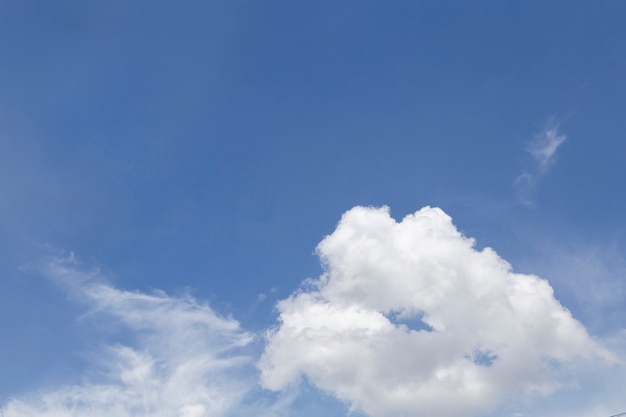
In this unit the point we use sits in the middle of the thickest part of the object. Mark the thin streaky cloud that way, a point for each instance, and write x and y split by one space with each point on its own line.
543 150
183 359
545 146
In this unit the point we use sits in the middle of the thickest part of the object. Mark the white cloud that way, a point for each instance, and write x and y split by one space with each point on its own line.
543 150
544 147
590 275
184 361
410 319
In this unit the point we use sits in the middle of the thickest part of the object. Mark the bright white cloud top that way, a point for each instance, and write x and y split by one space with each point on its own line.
183 360
411 319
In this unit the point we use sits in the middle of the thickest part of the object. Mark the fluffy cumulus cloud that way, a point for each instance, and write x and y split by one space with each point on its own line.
410 319
184 360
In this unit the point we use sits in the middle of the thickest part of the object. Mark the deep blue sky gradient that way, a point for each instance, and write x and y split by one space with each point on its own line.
212 145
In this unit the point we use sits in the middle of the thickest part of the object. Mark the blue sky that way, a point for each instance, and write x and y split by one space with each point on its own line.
198 152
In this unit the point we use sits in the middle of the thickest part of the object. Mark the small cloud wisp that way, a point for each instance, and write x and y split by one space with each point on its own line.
544 147
543 151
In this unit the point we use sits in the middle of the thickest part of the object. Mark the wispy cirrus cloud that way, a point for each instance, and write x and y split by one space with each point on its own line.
544 147
183 359
543 150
